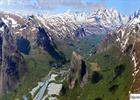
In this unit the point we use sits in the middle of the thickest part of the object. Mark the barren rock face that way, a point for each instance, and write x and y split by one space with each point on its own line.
78 71
10 61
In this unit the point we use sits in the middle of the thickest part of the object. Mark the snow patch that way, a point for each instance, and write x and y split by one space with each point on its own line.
134 61
5 21
53 76
36 88
2 29
135 64
14 22
54 89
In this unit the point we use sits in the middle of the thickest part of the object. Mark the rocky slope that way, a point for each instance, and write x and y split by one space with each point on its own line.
128 39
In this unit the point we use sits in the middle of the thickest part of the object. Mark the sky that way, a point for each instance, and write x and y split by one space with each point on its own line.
126 7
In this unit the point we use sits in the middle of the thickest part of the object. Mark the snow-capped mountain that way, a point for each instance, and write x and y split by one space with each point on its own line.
135 15
98 22
67 24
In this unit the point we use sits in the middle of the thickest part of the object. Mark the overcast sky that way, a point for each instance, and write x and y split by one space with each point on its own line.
126 7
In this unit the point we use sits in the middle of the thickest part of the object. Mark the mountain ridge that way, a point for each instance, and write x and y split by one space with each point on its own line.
67 24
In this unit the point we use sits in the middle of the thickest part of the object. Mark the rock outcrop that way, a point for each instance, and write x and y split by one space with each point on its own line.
78 71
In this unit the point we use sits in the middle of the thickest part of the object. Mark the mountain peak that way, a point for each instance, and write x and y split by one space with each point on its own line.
135 15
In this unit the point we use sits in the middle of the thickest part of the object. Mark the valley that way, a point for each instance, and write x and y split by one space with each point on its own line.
106 80
69 56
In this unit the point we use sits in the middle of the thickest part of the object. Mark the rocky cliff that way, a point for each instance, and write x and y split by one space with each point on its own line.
10 60
78 71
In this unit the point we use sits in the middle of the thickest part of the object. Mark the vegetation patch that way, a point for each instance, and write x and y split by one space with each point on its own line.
96 77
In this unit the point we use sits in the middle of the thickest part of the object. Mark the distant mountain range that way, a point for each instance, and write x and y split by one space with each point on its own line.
69 24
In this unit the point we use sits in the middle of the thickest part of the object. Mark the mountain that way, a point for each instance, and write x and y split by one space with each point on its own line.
135 15
128 40
12 62
17 38
39 42
67 24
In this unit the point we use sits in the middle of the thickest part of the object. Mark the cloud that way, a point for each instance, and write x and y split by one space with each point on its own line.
79 4
52 4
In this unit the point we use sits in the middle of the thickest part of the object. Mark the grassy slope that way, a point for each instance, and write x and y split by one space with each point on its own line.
37 63
101 89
